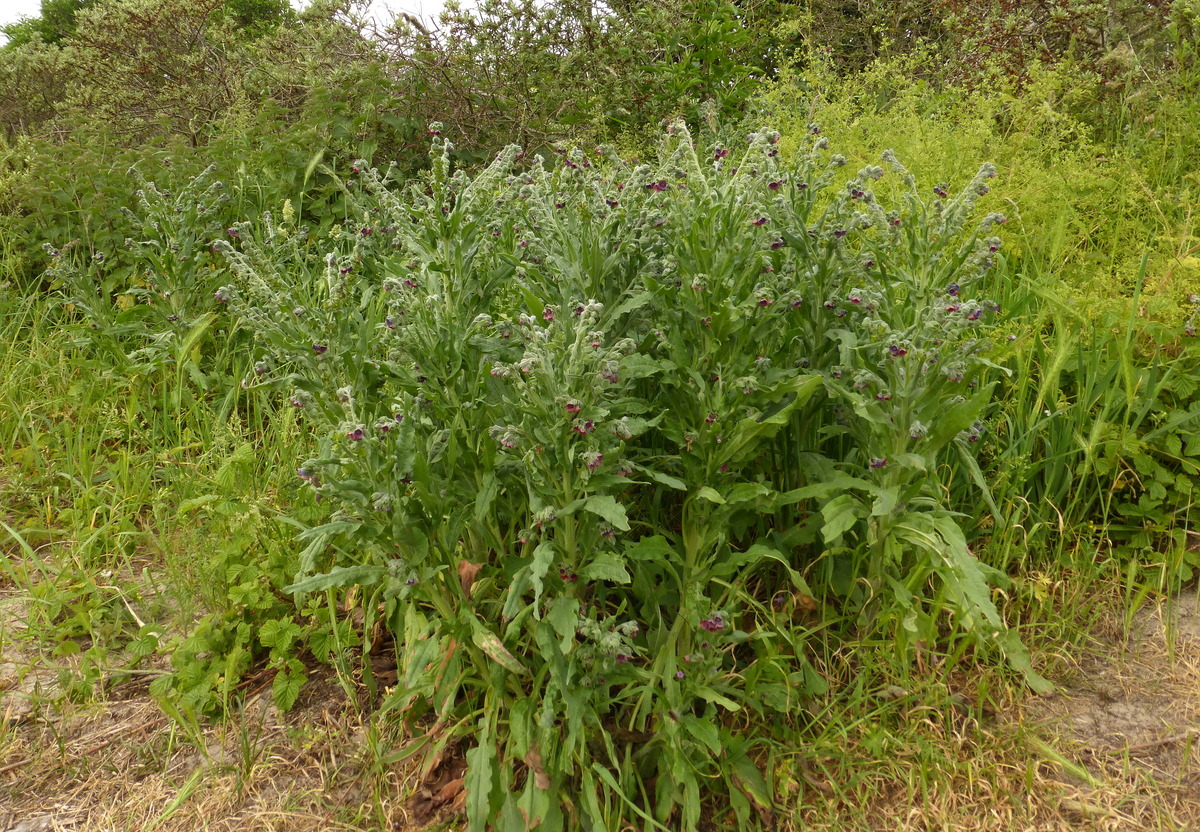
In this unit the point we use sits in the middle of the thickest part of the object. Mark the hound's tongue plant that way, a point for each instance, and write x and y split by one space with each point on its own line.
583 427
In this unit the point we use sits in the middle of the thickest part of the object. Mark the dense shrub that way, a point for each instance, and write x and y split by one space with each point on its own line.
591 431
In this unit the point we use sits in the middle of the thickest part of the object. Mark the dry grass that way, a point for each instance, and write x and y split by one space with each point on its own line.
1116 748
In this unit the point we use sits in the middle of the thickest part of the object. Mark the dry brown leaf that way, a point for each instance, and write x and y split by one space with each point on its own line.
466 573
534 760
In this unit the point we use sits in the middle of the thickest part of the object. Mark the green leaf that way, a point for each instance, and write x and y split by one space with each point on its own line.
885 501
607 566
710 695
638 365
711 495
745 492
664 479
494 648
285 687
608 508
564 617
543 558
486 496
950 421
703 730
650 548
840 514
478 779
361 575
1018 658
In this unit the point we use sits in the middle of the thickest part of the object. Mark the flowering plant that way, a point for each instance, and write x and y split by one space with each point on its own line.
583 425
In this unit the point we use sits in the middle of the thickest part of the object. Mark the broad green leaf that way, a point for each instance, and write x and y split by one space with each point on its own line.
711 495
607 566
638 365
840 515
710 695
608 508
703 730
490 643
885 501
564 617
361 575
650 548
745 492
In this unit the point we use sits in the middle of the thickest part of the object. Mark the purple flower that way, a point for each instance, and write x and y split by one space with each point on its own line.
760 221
954 307
583 427
877 463
952 290
622 658
547 314
355 435
721 153
777 244
320 349
714 623
839 234
233 232
572 407
222 295
765 301
710 418
897 352
776 185
679 674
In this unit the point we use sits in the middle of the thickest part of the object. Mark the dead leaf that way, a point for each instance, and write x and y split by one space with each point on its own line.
450 791
466 573
534 760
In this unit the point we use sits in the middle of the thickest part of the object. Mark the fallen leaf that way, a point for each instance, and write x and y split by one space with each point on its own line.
466 573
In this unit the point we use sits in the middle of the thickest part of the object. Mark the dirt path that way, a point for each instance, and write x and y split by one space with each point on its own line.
1129 715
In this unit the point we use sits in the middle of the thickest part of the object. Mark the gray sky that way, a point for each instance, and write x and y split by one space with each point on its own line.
13 10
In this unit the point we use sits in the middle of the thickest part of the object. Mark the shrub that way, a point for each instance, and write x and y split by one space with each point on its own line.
590 430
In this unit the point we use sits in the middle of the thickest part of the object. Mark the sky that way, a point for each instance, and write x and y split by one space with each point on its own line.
13 10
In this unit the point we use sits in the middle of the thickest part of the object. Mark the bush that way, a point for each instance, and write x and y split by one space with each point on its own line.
593 433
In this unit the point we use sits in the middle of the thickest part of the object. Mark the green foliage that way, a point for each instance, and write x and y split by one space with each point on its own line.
570 417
